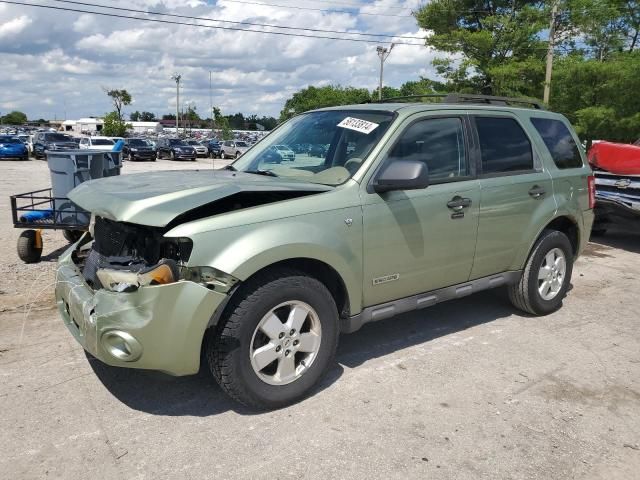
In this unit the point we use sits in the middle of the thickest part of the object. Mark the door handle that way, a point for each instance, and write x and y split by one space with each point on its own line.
537 191
457 203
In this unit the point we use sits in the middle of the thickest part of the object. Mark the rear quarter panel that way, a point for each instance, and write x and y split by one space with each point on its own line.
570 187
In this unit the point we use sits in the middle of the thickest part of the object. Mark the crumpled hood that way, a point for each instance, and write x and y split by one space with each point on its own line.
156 198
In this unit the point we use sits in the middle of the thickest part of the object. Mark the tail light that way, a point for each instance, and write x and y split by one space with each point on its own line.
591 184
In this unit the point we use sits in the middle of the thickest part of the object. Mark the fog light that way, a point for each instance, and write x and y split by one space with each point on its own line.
121 345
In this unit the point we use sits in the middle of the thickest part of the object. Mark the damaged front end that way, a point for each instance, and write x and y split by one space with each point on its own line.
124 257
128 297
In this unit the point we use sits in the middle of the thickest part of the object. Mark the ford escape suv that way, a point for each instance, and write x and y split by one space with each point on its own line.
260 266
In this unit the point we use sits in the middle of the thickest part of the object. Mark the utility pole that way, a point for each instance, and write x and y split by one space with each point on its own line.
177 78
210 103
383 53
552 33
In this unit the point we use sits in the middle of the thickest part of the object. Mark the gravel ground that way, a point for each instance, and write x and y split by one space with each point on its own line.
464 390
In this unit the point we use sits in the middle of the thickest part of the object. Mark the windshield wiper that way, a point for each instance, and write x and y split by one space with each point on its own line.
230 167
266 173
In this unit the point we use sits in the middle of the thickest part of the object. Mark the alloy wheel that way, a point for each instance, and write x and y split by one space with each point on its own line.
285 343
552 274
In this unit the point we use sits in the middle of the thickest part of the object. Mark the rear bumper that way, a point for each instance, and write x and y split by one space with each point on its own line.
157 327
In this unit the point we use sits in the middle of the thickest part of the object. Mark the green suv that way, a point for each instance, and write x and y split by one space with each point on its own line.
259 266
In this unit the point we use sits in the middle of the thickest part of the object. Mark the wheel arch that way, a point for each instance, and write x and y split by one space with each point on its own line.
562 223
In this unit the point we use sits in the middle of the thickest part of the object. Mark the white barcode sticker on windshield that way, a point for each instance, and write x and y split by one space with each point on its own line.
359 125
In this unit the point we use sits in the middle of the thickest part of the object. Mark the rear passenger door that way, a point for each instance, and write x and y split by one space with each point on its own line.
516 193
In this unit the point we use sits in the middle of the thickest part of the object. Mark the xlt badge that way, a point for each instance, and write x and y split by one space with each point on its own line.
386 278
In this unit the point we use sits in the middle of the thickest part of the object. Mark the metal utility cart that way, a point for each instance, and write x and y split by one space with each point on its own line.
49 208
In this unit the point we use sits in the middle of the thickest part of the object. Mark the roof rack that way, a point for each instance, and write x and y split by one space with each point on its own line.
456 98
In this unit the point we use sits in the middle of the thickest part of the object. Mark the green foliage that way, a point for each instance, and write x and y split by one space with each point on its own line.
605 27
222 123
14 118
495 43
114 126
318 97
599 98
142 117
120 98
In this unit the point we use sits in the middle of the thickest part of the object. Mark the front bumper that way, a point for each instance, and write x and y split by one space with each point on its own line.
167 322
621 205
144 155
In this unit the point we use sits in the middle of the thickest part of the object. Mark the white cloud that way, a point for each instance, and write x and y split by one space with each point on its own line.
14 26
72 56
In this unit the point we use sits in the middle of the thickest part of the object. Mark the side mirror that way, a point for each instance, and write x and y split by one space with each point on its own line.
402 175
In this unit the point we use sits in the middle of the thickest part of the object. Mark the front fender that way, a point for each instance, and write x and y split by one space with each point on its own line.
324 236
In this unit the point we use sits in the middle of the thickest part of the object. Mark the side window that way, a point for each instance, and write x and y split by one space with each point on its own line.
559 142
438 142
504 147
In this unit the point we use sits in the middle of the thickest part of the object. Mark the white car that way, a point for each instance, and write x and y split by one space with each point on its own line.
201 150
96 143
233 148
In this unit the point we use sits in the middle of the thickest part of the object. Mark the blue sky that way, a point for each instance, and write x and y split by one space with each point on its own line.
55 62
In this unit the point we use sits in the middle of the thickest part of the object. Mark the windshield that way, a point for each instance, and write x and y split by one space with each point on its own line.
176 141
9 140
340 141
102 141
193 142
136 142
57 137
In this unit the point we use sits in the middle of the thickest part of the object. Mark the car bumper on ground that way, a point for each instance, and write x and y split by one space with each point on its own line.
157 327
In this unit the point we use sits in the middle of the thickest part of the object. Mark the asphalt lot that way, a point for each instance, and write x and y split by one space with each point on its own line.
464 390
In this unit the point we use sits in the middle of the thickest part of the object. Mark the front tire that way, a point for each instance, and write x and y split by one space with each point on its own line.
277 338
546 277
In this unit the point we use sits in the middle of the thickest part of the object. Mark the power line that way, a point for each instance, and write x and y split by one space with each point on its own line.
214 27
317 9
148 12
361 5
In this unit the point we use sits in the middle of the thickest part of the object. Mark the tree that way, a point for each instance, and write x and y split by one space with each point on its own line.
134 116
598 97
169 116
14 118
222 124
120 98
147 117
318 97
497 43
114 126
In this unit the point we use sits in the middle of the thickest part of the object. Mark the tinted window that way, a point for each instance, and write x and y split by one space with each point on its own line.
136 142
439 142
559 142
102 141
9 140
503 145
57 137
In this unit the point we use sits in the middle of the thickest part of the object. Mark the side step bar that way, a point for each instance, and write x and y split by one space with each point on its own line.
423 300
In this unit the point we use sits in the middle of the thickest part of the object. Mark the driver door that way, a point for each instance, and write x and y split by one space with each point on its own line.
419 240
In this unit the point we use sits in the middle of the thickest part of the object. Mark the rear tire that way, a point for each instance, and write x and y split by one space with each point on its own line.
231 353
27 249
550 261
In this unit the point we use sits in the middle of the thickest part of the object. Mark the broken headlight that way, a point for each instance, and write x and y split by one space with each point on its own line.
166 271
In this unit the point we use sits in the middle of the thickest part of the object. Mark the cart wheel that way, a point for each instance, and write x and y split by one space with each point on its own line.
30 246
72 236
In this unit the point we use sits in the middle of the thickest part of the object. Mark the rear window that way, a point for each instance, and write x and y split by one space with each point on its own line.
559 142
102 141
504 146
